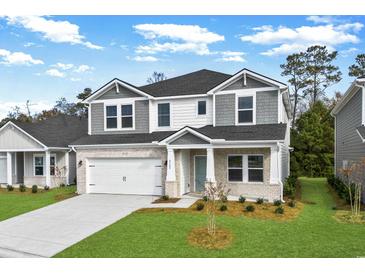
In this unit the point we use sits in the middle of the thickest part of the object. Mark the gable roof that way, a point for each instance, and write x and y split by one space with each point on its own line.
198 82
58 131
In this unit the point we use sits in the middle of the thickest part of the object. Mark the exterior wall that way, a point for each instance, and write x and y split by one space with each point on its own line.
266 108
83 154
72 167
284 162
141 119
112 93
19 167
189 138
13 138
183 112
250 83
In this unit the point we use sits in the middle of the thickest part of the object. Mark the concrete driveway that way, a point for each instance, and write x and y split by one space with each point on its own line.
49 230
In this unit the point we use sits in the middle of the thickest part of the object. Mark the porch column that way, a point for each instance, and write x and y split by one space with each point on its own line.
48 168
210 165
9 175
274 164
67 165
170 177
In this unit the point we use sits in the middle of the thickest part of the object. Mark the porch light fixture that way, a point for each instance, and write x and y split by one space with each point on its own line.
80 163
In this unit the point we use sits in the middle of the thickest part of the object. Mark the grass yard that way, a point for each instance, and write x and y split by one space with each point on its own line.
13 203
314 233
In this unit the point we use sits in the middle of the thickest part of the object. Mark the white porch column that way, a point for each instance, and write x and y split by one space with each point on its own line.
48 168
9 173
170 177
274 164
67 165
210 165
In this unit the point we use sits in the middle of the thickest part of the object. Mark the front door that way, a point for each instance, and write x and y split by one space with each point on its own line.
200 173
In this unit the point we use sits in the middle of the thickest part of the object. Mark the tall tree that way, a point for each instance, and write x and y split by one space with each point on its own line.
294 68
156 77
321 73
80 107
358 69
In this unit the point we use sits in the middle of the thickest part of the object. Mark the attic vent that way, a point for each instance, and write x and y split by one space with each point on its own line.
244 79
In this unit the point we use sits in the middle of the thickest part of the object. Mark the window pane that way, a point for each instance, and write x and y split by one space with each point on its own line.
245 102
255 175
52 160
52 170
163 121
255 161
235 161
38 170
111 122
127 122
126 110
235 175
164 109
245 116
38 161
111 111
202 107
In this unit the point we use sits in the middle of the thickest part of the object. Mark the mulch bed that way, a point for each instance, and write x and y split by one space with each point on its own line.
199 237
168 201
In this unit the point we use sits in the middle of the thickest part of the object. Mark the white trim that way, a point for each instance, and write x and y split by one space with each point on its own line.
171 162
351 91
197 108
279 107
362 139
245 90
210 173
180 97
118 100
119 116
181 132
21 150
67 165
23 131
113 82
115 145
9 173
250 94
214 118
44 163
198 155
89 119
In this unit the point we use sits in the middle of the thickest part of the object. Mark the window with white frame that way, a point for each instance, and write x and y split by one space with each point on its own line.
245 168
245 109
202 107
111 117
163 113
235 168
255 168
127 116
40 165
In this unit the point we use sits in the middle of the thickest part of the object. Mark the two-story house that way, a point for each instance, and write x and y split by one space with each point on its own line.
173 136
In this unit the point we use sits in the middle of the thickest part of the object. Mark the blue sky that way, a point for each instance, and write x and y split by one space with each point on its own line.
44 58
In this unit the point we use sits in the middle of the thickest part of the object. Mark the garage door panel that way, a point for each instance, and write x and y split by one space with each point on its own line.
125 176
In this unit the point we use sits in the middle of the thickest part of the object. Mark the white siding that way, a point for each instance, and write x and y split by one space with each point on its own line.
183 112
13 138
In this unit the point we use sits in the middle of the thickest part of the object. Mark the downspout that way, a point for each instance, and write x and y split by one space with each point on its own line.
279 174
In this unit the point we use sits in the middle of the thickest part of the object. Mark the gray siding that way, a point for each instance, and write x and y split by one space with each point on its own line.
189 138
225 109
72 167
112 94
284 162
141 119
266 107
250 83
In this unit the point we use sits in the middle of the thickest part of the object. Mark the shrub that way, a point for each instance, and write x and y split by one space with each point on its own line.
277 203
242 199
279 210
290 186
165 197
338 185
224 199
46 188
250 208
9 187
200 206
62 185
22 188
223 208
260 201
205 198
34 189
291 203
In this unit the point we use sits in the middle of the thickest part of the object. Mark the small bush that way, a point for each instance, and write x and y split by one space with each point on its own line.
260 201
277 203
334 208
9 187
242 199
34 189
224 199
223 208
279 210
46 188
62 185
165 197
22 188
205 198
200 206
250 208
290 186
291 203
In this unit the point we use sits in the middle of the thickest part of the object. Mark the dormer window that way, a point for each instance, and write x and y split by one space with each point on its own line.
111 117
245 110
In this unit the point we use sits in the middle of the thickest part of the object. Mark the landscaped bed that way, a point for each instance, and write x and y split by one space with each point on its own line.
13 203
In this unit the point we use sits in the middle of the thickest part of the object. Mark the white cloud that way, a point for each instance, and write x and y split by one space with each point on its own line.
73 79
182 38
83 68
232 56
55 73
320 19
35 107
145 59
294 39
29 44
349 51
55 31
18 58
63 66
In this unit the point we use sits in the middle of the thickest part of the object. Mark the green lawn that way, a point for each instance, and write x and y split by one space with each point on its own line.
315 233
13 203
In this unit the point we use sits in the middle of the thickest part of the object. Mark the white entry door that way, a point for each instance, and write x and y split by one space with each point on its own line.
125 176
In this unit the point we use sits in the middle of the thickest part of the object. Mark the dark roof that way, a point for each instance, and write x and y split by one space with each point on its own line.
361 130
198 82
58 131
263 132
361 77
230 133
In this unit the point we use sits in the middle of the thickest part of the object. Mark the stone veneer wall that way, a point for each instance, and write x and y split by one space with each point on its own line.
83 154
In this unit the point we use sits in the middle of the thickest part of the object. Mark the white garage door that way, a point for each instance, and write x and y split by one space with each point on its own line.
125 176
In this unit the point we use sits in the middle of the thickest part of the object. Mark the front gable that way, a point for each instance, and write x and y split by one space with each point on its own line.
188 139
117 91
13 138
247 83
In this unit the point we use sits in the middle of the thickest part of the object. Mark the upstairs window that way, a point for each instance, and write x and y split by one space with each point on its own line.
163 115
202 107
245 109
111 117
127 116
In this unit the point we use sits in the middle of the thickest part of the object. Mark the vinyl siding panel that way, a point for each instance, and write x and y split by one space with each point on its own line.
225 110
284 153
13 138
112 94
250 83
266 107
188 138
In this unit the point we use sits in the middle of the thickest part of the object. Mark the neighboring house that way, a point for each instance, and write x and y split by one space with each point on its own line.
173 136
38 153
349 116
